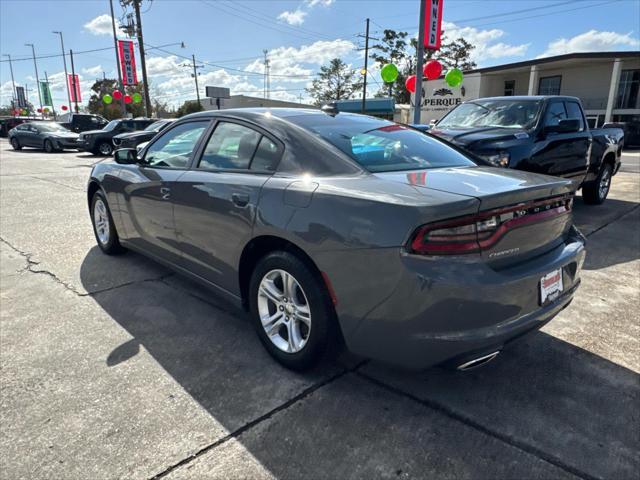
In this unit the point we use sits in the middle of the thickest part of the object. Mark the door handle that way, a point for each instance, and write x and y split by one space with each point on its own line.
165 192
240 199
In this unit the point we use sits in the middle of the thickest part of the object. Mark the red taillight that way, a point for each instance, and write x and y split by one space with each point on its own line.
474 233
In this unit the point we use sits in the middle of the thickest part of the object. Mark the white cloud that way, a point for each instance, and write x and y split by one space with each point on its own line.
591 41
170 65
293 18
101 25
91 71
324 3
485 42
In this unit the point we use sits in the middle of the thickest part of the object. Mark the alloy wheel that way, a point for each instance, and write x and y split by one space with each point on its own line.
284 311
605 183
101 221
105 149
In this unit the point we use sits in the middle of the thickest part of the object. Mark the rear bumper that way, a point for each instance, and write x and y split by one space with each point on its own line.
438 309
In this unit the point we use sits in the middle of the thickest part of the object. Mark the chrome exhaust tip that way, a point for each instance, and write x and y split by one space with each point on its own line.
478 362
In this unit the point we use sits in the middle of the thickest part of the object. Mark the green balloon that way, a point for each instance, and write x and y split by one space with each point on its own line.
389 73
107 99
453 77
137 98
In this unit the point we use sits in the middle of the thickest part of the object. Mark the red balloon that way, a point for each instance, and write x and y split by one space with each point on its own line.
127 99
39 110
65 108
432 69
410 83
117 94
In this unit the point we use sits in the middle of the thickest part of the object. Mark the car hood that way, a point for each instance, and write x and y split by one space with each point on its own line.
91 132
63 134
466 137
140 133
494 187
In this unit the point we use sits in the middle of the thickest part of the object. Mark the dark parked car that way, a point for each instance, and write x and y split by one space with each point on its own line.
82 122
7 123
541 134
100 142
133 139
328 226
48 136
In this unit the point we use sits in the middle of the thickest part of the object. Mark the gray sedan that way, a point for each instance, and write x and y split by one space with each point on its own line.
48 136
346 228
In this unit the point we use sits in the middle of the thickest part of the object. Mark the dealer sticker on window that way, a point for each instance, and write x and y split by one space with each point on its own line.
550 286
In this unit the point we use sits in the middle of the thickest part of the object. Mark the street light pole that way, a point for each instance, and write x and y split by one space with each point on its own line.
66 74
35 64
13 82
76 90
417 103
115 44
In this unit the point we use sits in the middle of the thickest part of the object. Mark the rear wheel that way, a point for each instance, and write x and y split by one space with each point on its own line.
15 144
103 226
105 148
48 146
291 310
596 192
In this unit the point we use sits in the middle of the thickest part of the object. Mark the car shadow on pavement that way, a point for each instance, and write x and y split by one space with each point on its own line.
542 396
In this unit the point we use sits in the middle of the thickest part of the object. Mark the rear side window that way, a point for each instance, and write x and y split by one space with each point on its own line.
574 112
266 157
555 113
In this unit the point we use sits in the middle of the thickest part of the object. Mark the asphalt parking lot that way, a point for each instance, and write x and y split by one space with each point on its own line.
114 367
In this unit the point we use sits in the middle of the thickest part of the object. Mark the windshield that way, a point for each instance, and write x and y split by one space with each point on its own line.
155 126
111 125
50 127
521 114
382 146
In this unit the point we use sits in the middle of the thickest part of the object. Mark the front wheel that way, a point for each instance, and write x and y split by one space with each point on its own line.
595 193
105 148
291 310
48 146
103 226
15 144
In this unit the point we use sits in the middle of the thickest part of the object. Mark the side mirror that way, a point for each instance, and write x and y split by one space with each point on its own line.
568 125
126 156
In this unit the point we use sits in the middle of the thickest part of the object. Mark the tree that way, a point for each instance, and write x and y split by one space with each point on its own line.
394 48
190 106
113 110
336 81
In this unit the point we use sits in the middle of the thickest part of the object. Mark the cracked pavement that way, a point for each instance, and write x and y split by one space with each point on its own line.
115 367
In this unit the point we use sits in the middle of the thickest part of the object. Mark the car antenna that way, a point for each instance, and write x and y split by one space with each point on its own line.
330 108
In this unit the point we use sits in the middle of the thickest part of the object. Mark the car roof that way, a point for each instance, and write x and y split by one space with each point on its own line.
527 98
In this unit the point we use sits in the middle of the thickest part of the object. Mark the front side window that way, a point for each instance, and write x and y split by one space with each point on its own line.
111 125
555 113
550 85
175 147
230 147
574 112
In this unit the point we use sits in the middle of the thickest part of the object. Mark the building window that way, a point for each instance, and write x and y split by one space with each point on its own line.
550 85
509 88
628 89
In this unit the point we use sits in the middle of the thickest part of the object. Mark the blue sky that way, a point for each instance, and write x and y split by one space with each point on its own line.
230 35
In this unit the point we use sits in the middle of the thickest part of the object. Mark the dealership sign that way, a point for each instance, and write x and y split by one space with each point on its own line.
22 100
433 24
127 62
73 81
438 100
45 93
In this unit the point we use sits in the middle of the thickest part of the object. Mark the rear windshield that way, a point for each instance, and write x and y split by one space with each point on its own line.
382 146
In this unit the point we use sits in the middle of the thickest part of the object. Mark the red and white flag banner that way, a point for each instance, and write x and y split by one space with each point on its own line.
127 57
73 82
433 24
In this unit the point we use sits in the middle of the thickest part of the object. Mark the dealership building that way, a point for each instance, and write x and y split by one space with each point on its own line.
607 83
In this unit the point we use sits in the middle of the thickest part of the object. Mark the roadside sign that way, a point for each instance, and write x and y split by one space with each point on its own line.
46 94
217 92
22 99
433 24
74 87
127 58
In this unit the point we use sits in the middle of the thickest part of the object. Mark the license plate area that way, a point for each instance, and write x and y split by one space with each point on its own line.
551 286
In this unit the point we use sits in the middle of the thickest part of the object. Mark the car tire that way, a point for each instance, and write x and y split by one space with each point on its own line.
103 227
306 309
48 146
595 193
105 148
15 144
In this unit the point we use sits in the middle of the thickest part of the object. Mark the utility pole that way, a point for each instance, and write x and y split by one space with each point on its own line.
13 82
143 63
66 75
366 58
35 64
266 74
417 104
195 76
73 82
115 45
